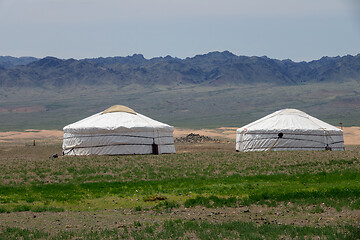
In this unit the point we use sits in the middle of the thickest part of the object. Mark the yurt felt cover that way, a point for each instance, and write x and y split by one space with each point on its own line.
117 132
289 129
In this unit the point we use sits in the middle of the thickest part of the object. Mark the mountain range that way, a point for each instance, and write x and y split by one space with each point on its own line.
213 69
210 90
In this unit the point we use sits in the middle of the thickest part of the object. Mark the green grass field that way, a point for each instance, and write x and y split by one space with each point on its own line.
205 195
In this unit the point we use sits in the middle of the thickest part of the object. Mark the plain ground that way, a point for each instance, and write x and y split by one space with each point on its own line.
117 217
17 147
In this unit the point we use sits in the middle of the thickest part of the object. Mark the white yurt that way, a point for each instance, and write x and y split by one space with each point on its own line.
118 130
288 129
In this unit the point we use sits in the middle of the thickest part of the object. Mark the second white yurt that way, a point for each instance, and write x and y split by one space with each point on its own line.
118 130
288 129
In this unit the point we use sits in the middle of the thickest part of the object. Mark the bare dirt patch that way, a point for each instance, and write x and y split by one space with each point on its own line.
29 135
352 135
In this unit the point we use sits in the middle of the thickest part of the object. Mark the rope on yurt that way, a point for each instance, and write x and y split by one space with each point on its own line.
280 135
71 149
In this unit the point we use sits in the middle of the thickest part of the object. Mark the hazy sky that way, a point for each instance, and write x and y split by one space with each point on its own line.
295 29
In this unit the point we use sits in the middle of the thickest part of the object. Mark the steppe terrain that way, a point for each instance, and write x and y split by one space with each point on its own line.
205 191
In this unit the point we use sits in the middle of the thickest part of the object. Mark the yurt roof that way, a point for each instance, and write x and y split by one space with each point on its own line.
288 119
119 108
117 118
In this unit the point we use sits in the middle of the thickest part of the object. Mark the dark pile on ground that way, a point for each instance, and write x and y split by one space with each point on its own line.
196 138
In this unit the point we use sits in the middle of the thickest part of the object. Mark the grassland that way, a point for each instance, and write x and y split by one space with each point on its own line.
190 106
205 191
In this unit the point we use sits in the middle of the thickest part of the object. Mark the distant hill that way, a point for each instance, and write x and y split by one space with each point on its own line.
10 62
213 69
210 90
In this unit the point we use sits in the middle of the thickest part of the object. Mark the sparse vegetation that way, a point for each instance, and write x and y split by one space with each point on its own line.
194 229
216 193
201 106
